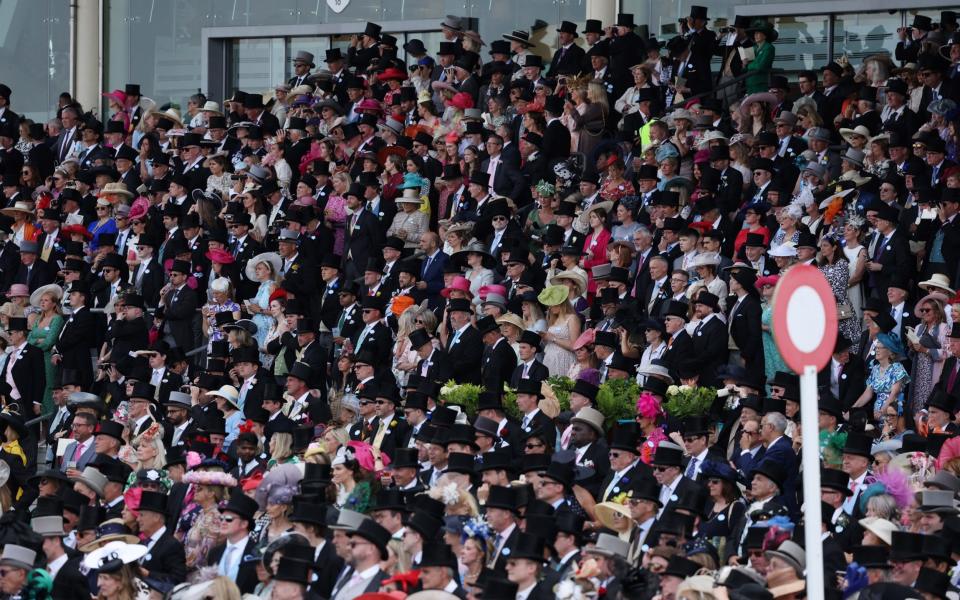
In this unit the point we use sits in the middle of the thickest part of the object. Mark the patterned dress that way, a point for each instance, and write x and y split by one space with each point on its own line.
881 382
838 276
559 360
202 535
772 361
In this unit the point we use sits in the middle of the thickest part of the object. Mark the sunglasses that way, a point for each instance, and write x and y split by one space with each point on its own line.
135 222
226 519
660 469
366 402
360 366
530 446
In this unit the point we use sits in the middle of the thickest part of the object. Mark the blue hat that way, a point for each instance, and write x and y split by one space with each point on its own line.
892 343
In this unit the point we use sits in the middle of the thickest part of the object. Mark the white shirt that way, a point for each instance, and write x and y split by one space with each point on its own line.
153 540
234 553
524 593
55 566
667 492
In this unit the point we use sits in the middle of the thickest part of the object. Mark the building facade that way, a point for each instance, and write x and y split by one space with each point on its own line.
174 48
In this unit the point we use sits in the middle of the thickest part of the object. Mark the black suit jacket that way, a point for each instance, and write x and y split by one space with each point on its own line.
895 258
361 242
37 275
746 331
710 349
677 351
74 344
70 583
438 365
567 62
151 282
166 560
537 372
379 341
852 380
326 568
498 365
556 143
465 355
507 181
247 572
29 376
182 317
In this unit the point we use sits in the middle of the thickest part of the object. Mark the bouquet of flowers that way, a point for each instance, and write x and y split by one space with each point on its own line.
464 395
686 401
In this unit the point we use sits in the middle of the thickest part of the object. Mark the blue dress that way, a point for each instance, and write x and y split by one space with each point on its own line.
264 321
882 383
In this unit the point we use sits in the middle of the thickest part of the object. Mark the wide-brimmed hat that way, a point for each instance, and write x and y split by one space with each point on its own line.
112 556
271 258
615 516
553 295
19 207
568 275
765 27
111 530
783 582
848 134
938 282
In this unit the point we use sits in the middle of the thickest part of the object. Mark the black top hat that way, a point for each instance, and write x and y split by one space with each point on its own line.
830 405
528 546
835 479
708 299
872 557
372 30
460 462
568 27
529 386
502 497
375 534
695 426
111 429
553 104
438 554
560 472
644 488
625 437
773 471
858 444
906 546
405 458
294 570
153 502
667 457
655 386
681 566
489 401
427 525
625 20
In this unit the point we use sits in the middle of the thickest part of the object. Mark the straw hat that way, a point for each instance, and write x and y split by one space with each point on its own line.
568 275
19 207
937 281
784 582
847 134
881 528
512 319
616 516
115 188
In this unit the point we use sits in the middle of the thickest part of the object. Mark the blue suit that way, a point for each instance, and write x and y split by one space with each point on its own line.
782 452
431 272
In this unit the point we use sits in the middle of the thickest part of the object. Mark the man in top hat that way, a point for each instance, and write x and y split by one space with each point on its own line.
625 464
310 520
63 563
701 44
525 566
72 348
229 558
434 364
844 375
438 569
147 277
368 546
363 235
891 258
696 440
499 360
30 271
22 375
374 337
744 320
710 337
302 63
556 137
529 367
568 58
180 309
463 342
165 557
18 562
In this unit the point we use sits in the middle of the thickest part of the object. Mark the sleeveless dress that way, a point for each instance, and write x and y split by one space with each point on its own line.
264 321
838 275
558 360
855 291
44 338
772 361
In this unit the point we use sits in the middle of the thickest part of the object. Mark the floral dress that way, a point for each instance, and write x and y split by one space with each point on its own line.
336 215
358 500
203 534
44 338
614 190
927 366
838 276
213 332
881 382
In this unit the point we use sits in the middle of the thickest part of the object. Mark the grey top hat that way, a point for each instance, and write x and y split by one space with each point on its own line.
18 556
93 478
304 56
818 133
937 501
51 526
349 520
792 553
452 22
609 545
180 398
854 156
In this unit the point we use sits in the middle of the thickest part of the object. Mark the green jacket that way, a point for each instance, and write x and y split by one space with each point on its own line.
763 62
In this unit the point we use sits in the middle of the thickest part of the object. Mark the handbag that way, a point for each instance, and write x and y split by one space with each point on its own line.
845 311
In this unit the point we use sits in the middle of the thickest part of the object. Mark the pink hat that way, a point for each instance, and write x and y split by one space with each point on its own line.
494 288
139 208
117 95
18 290
461 100
460 283
369 105
586 338
766 280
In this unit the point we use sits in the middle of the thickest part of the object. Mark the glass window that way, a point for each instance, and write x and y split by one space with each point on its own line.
314 45
259 64
803 43
859 35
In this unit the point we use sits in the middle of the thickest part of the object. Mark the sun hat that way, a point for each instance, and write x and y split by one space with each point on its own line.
112 556
569 275
271 258
553 295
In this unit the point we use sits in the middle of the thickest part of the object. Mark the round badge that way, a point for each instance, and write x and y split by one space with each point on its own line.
616 490
505 552
839 528
674 498
721 518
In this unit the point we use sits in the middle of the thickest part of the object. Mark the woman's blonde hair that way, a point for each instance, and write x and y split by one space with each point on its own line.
597 95
407 322
282 443
342 177
565 309
404 559
429 320
223 588
128 589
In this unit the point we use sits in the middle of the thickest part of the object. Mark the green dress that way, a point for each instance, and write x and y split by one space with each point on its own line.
772 361
44 338
760 82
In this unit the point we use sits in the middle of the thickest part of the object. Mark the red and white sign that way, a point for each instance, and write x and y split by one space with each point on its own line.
804 318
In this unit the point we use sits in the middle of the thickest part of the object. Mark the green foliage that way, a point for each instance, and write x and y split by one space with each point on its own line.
684 401
562 386
510 403
464 395
617 400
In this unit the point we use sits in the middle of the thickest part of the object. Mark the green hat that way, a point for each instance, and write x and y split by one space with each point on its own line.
553 295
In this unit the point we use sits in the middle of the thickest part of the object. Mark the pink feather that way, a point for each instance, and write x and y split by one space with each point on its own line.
950 449
897 484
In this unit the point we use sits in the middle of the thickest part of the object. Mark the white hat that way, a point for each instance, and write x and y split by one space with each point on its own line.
786 250
220 284
228 393
271 258
118 551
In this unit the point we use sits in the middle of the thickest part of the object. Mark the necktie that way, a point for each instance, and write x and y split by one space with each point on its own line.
77 452
526 371
456 337
230 566
691 468
953 377
526 421
699 327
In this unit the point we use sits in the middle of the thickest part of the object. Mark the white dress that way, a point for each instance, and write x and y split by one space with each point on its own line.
855 291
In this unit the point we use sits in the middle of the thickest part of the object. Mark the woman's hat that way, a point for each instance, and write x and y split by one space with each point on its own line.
553 295
271 258
112 556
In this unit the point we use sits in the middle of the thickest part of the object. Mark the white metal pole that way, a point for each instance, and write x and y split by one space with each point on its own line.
811 482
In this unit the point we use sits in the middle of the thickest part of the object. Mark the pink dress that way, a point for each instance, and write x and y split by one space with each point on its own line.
597 244
336 215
